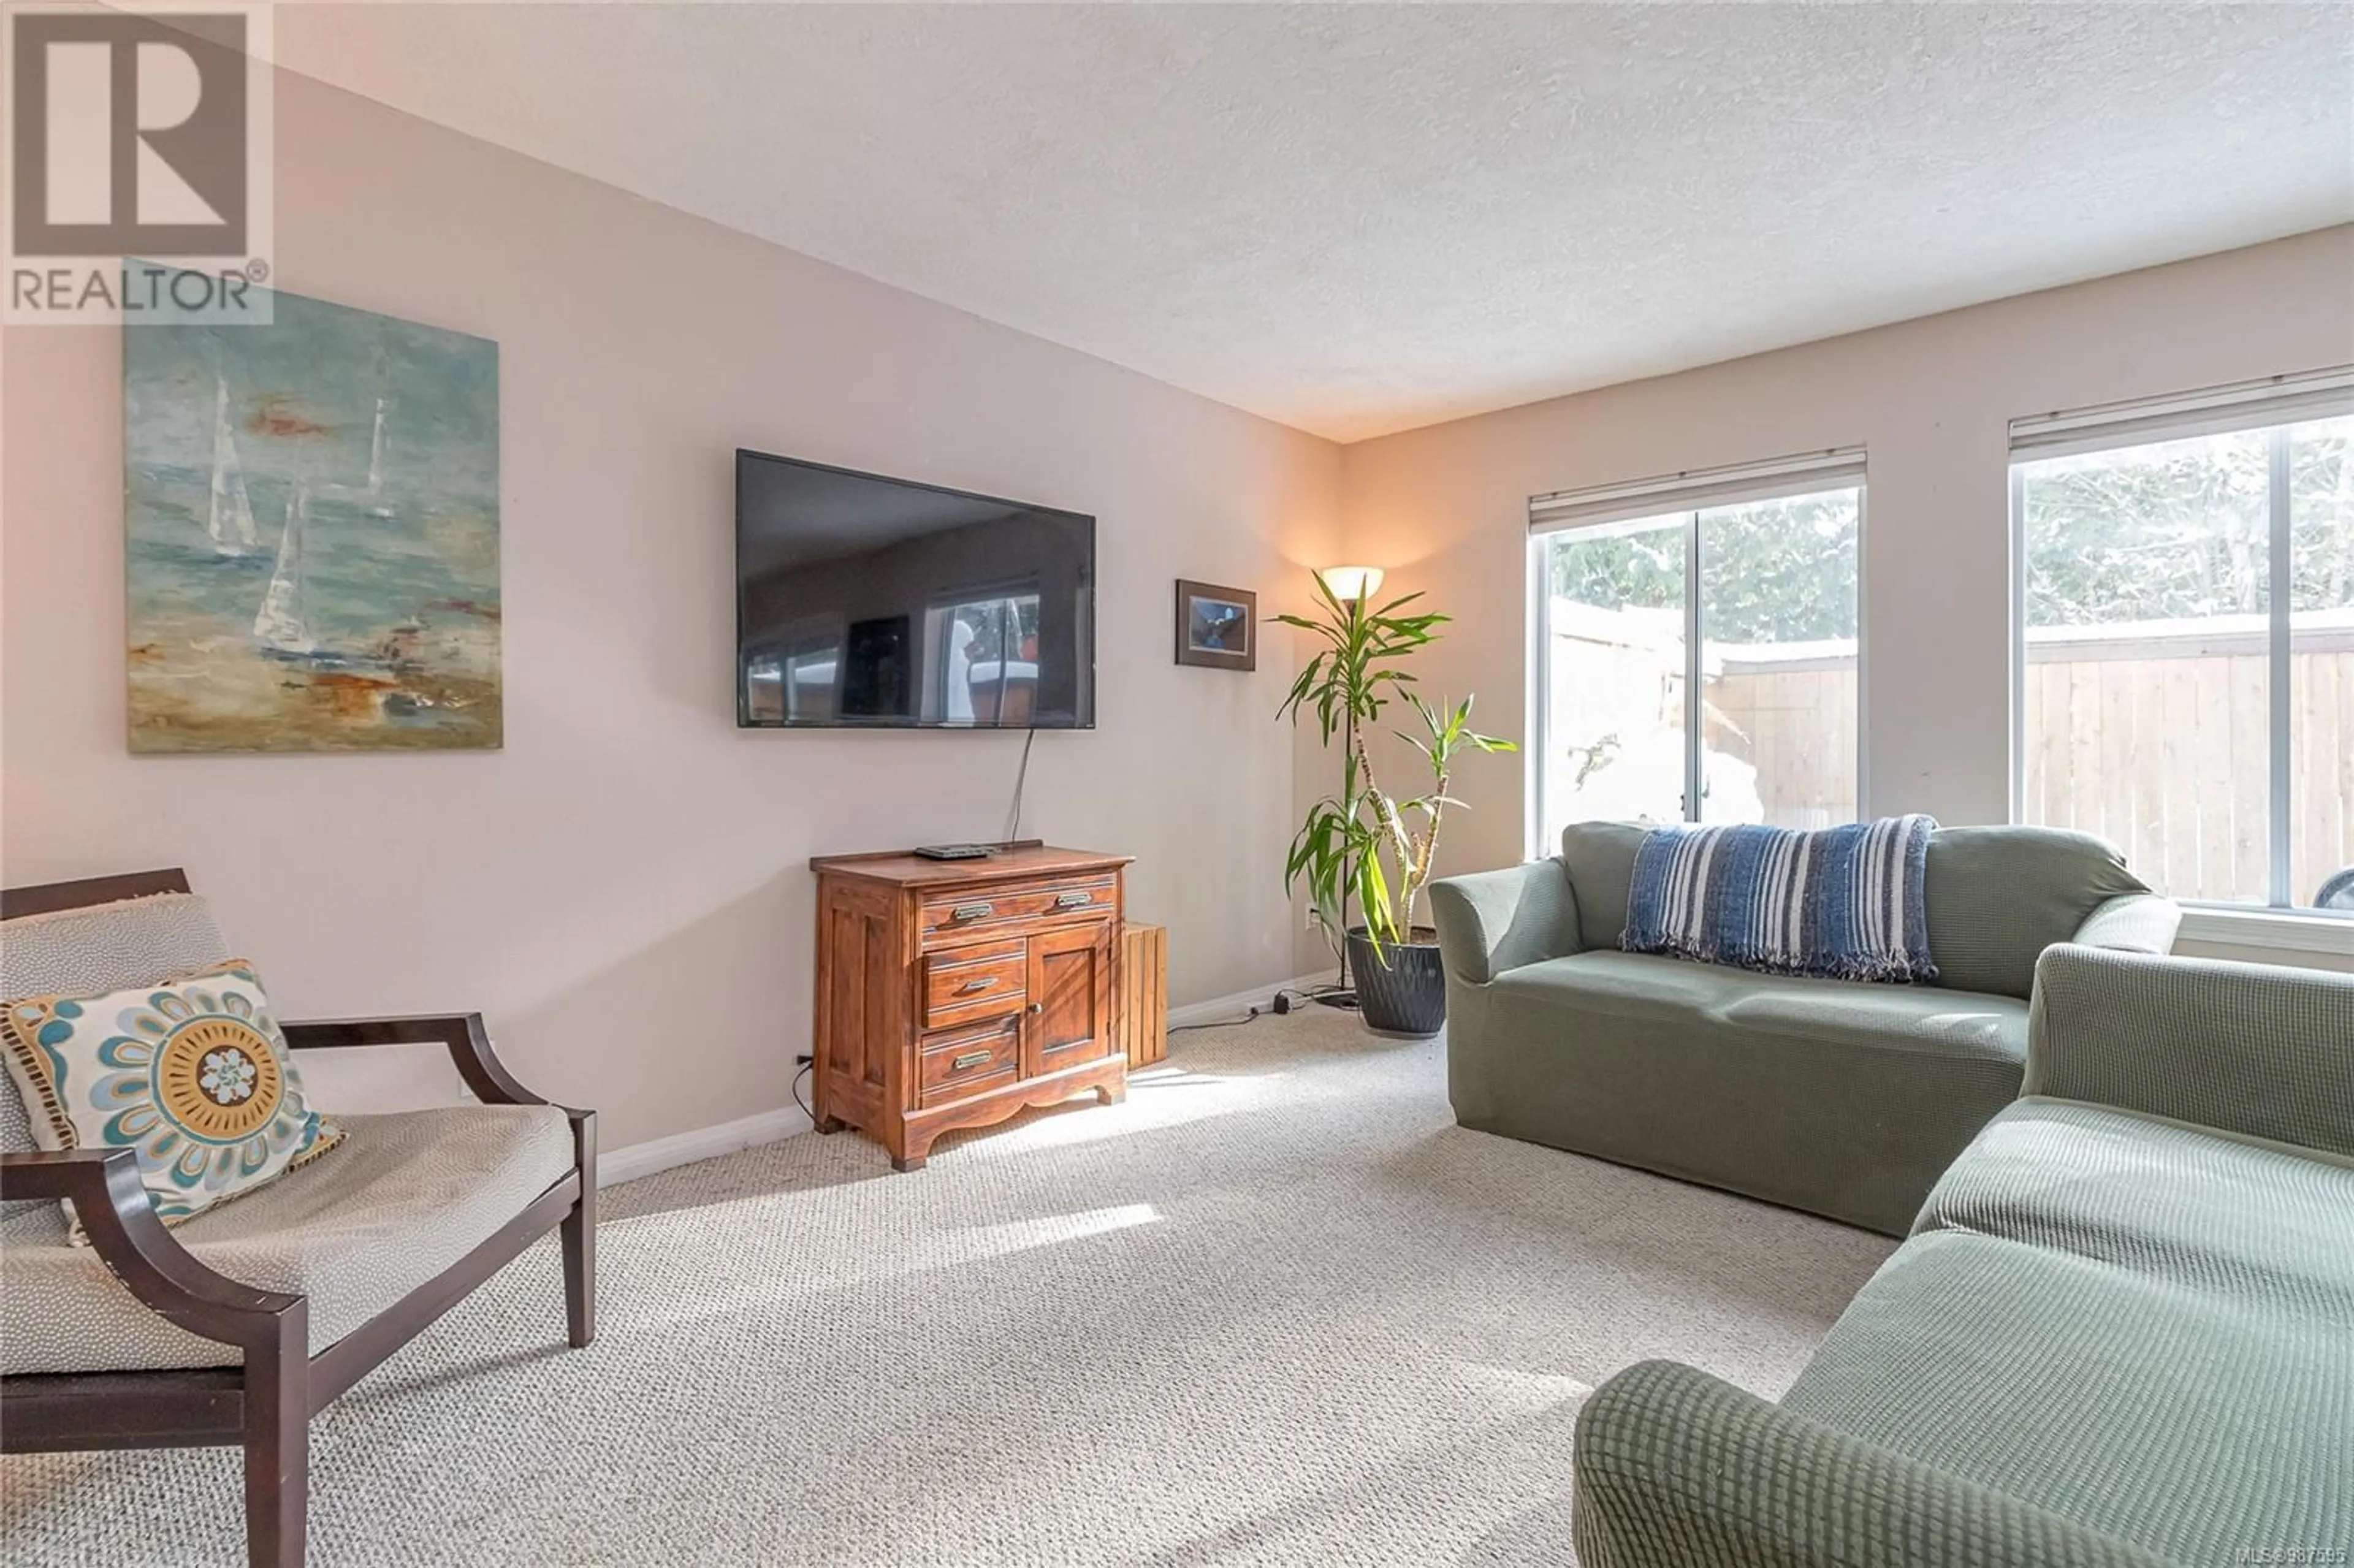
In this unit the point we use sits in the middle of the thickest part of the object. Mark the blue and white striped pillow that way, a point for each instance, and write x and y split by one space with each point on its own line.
1847 903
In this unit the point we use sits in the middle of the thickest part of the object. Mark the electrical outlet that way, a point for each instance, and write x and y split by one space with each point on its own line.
1308 918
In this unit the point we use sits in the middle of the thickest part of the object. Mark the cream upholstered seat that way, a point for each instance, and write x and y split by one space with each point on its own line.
404 1197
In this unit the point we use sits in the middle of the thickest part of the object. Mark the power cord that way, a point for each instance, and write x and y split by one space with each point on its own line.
1290 999
1253 1016
1020 783
807 1063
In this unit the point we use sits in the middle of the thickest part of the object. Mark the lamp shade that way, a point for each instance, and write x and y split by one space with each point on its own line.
1345 583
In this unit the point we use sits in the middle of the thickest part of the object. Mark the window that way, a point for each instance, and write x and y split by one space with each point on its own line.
791 684
1697 650
985 669
2185 678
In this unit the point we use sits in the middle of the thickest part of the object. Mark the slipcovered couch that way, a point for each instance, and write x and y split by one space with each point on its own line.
2121 1335
1839 1097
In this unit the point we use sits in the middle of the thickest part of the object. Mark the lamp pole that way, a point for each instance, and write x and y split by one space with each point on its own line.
1352 586
1344 997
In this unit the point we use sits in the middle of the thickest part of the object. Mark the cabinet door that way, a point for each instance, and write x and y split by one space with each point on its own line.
1069 1018
859 1023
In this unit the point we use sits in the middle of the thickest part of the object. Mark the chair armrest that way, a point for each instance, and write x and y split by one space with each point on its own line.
469 1045
2132 923
1490 921
116 1214
1678 1469
2262 1050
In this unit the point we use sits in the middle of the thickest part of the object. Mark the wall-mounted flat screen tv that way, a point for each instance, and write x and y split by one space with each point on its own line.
870 603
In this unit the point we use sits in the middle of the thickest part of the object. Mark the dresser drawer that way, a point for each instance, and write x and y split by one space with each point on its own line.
977 979
950 917
969 1061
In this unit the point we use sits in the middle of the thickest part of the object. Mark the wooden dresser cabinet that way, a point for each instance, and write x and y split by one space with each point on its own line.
953 993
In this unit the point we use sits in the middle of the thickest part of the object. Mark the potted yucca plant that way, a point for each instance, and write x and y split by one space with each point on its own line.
1364 846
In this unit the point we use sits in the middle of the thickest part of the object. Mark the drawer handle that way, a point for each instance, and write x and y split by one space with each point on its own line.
969 912
1074 900
970 1059
982 983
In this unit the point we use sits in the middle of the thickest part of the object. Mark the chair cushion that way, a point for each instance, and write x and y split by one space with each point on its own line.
407 1196
1998 896
106 947
2266 1221
191 1073
2192 1421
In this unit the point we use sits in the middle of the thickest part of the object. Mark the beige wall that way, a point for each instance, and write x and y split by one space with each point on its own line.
623 889
1444 508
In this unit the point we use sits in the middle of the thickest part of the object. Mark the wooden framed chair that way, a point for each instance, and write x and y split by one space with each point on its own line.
238 1326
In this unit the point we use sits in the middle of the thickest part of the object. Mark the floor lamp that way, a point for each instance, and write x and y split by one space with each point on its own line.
1349 585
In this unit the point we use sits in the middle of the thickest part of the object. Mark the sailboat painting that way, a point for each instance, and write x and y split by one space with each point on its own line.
311 520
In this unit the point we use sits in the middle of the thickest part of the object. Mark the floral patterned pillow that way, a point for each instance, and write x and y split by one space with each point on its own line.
193 1074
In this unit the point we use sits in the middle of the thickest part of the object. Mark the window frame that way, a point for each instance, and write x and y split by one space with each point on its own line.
1684 495
2272 405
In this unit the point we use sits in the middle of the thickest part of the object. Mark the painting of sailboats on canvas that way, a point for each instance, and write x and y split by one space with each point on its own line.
312 513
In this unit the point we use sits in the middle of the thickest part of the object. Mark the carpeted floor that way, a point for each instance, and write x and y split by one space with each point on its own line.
1277 1309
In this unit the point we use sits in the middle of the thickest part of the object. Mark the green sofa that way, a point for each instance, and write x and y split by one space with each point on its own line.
1843 1098
2121 1334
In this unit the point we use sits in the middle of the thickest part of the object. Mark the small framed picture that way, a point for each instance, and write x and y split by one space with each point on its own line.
1217 627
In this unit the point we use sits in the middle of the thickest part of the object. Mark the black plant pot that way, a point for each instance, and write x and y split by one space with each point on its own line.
1403 991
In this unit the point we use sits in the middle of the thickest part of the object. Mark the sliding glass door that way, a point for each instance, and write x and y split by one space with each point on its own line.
2185 666
1700 664
1777 606
1614 671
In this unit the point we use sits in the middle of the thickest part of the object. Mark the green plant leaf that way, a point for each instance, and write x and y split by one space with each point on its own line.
1363 846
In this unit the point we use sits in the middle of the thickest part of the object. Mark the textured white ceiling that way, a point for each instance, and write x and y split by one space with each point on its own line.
1359 218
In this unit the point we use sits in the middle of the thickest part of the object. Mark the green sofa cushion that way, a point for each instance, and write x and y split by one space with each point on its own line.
1998 896
1600 858
1714 998
1836 1097
1632 985
2268 1221
2195 1422
1933 1019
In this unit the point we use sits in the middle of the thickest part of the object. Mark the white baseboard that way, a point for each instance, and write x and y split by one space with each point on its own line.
1234 1006
627 1164
703 1143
